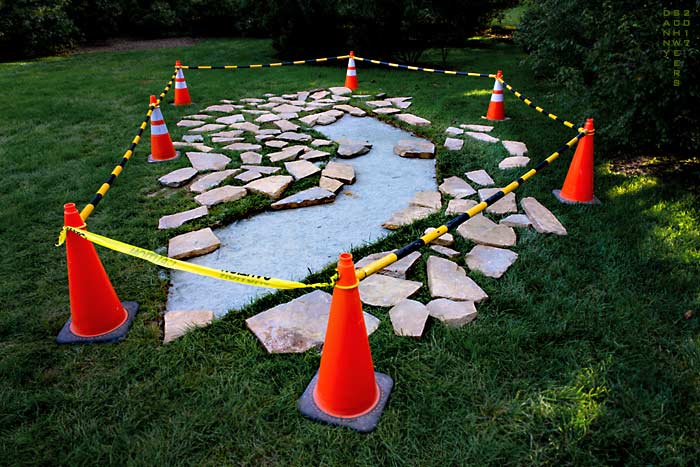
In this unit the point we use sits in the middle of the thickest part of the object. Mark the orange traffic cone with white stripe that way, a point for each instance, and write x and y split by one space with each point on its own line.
496 110
97 315
162 148
182 94
346 391
351 75
578 186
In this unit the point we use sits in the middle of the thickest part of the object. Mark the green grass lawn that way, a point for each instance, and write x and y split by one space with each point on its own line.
581 356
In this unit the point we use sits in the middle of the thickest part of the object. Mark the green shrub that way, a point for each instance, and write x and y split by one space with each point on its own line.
611 55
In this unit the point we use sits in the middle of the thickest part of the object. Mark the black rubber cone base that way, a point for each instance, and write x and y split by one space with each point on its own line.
155 161
66 336
364 423
557 195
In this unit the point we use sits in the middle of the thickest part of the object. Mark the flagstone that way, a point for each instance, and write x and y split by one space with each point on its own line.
415 148
456 187
178 177
542 218
460 206
481 137
340 90
287 108
354 111
309 197
230 119
266 118
251 157
272 186
407 216
448 280
209 181
205 161
381 103
350 148
269 131
515 148
176 323
408 318
249 176
321 142
198 146
446 239
208 127
386 110
330 184
513 162
320 95
176 220
198 117
263 169
402 104
452 313
516 220
504 205
452 131
445 251
292 136
220 139
301 169
309 120
190 123
226 108
482 128
246 126
193 138
226 134
286 154
453 144
386 291
243 147
480 177
313 155
275 143
427 199
398 269
191 244
261 138
413 119
484 231
224 194
343 172
490 261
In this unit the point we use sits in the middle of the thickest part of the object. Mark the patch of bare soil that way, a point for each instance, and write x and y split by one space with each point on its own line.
668 169
122 45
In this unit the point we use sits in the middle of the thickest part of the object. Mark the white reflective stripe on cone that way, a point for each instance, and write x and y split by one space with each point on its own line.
497 86
157 130
157 115
180 85
351 63
179 74
496 97
351 73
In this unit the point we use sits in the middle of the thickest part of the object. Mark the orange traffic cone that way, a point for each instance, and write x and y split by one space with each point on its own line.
162 148
346 390
578 186
351 75
97 315
182 94
496 110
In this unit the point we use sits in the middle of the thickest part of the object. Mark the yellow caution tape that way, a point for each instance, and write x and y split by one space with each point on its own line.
170 263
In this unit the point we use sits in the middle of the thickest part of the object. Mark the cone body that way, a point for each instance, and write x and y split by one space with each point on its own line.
94 306
182 94
346 384
351 75
578 186
496 110
162 148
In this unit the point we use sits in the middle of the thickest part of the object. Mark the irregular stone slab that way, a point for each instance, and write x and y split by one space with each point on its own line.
402 105
178 177
387 110
321 142
482 128
319 95
515 148
350 148
340 98
542 218
198 117
191 244
340 90
292 136
220 195
330 184
484 231
343 172
286 125
380 290
208 127
249 176
394 100
452 313
406 216
176 220
408 318
452 131
246 126
288 116
198 146
219 139
382 103
314 154
302 96
427 199
227 134
286 154
445 239
513 162
287 108
490 261
261 138
443 250
269 131
263 169
309 197
301 169
413 119
309 120
205 161
193 138
354 111
298 325
250 157
453 144
178 322
267 118
516 220
267 105
252 100
190 123
415 148
243 147
448 280
272 186
456 187
480 177
504 205
209 181
227 108
481 137
460 206
231 119
399 269
277 144
256 112
328 117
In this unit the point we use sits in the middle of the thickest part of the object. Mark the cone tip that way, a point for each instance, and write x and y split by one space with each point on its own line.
589 123
153 100
69 208
352 54
345 258
177 63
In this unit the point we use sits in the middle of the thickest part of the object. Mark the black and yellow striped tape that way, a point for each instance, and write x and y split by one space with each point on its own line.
87 210
529 103
427 70
263 65
396 255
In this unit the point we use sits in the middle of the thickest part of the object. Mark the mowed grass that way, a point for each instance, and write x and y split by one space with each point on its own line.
581 355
